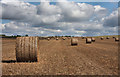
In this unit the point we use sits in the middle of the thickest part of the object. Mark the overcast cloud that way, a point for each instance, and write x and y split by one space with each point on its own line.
62 18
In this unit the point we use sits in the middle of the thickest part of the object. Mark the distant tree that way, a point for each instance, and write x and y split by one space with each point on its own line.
26 35
18 35
3 35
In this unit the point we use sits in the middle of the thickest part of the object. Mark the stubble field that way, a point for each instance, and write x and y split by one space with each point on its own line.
58 57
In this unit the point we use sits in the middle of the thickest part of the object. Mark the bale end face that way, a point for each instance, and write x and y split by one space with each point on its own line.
116 39
113 37
27 49
48 39
83 37
88 40
93 39
101 38
74 41
64 38
107 37
56 38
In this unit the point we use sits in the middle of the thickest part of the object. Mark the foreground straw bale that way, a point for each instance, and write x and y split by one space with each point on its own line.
27 49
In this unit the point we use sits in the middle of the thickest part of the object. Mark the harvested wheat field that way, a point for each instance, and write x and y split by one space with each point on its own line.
58 57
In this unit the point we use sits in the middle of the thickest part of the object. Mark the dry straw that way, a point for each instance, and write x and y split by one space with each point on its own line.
93 39
116 39
88 40
107 37
74 41
63 38
27 49
56 38
48 39
102 38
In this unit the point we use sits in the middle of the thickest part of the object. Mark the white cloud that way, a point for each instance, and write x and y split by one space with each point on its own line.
112 19
75 12
64 18
68 11
76 29
100 11
46 9
18 10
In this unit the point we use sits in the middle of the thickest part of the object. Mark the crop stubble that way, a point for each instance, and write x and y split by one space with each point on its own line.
60 58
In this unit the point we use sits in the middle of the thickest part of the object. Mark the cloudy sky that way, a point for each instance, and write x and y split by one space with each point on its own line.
59 18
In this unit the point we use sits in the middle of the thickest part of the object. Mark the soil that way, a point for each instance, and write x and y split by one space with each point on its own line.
58 57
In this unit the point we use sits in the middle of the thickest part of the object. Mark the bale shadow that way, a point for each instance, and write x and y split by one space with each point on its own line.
9 61
14 61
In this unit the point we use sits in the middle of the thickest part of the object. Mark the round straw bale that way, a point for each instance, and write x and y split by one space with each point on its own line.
83 37
93 39
63 38
116 39
102 38
48 39
74 41
56 38
113 37
27 49
88 40
107 37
